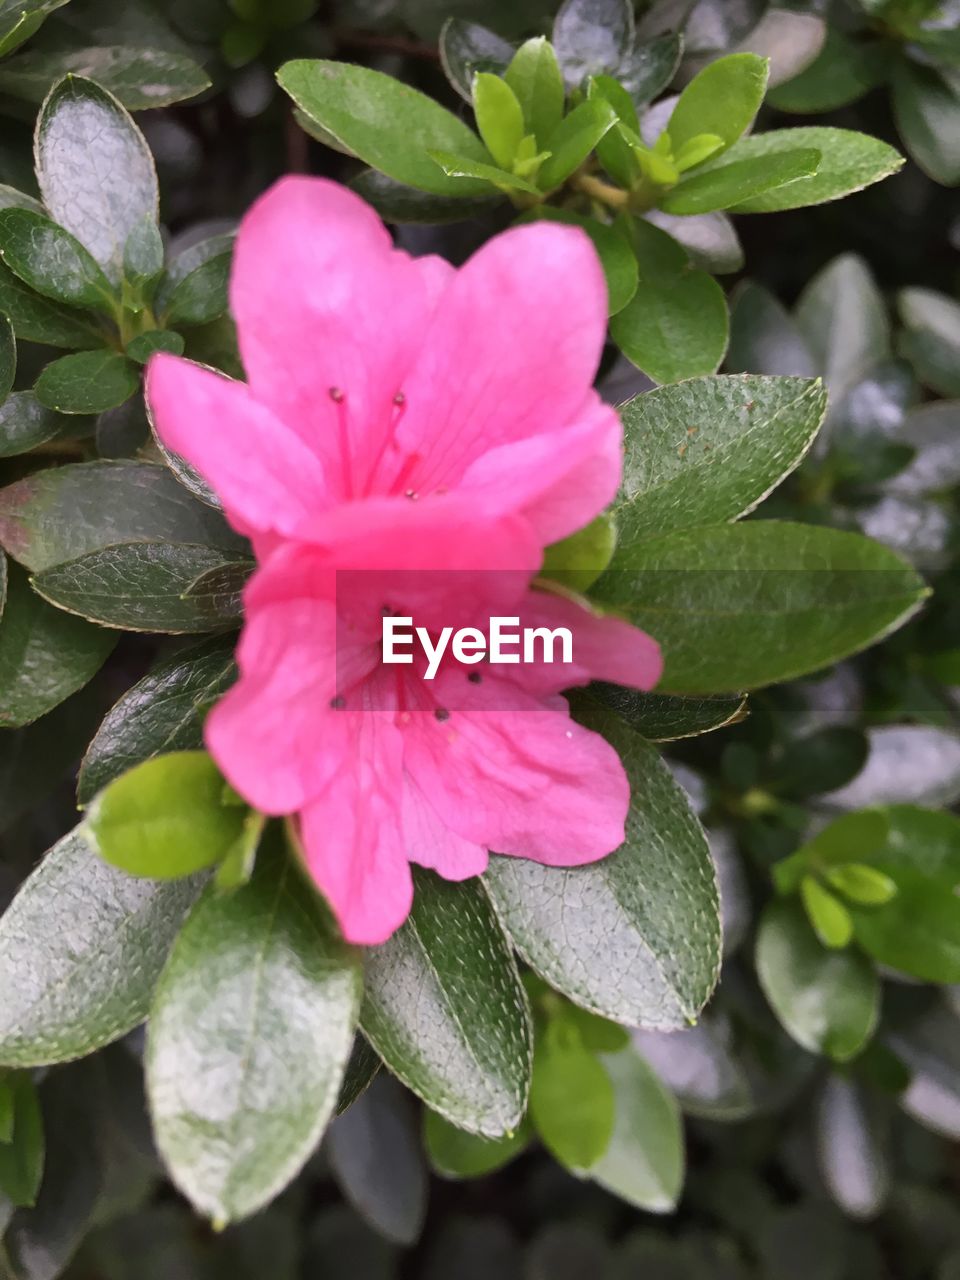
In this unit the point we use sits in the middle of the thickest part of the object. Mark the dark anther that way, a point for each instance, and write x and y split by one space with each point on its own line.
411 494
474 677
336 395
399 398
442 714
386 611
338 703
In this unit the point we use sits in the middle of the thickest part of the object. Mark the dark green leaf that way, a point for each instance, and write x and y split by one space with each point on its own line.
842 72
396 202
849 162
454 1153
386 123
764 337
8 362
95 169
709 240
64 512
164 712
571 1103
26 423
466 48
21 1152
20 19
143 256
829 1001
648 70
709 449
144 345
139 586
907 764
220 589
37 319
927 108
81 948
729 184
722 99
361 1069
747 605
852 1153
661 718
194 290
636 936
573 140
444 1008
165 817
592 36
644 1160
932 339
139 78
45 655
917 931
52 262
87 382
818 762
534 76
249 1036
843 319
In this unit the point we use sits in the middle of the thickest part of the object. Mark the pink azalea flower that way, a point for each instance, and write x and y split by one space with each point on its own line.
411 437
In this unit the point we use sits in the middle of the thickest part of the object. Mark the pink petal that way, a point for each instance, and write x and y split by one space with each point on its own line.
266 476
559 480
523 780
353 838
430 843
511 352
323 301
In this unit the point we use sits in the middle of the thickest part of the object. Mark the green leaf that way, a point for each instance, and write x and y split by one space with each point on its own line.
927 109
466 48
194 290
445 1010
87 382
648 70
499 117
454 1153
722 99
842 317
730 184
11 198
460 167
764 337
535 78
140 586
8 365
573 140
143 256
817 762
613 249
21 1155
36 319
853 836
81 947
64 512
362 1068
932 339
829 1001
592 36
926 841
661 718
95 169
908 763
644 1160
842 72
571 1102
20 19
164 712
862 884
386 123
829 917
636 936
710 241
140 78
45 655
917 931
396 202
52 262
144 345
710 449
852 1147
675 326
164 818
849 162
579 560
742 606
248 1039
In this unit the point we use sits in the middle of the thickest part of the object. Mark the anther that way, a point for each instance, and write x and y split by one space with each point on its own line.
411 494
399 398
442 714
338 703
336 395
474 677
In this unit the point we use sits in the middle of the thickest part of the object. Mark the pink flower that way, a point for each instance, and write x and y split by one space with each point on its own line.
411 437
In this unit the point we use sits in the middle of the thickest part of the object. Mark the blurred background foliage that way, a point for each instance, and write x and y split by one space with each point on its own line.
808 1126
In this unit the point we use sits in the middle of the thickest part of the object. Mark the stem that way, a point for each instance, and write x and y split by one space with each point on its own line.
597 189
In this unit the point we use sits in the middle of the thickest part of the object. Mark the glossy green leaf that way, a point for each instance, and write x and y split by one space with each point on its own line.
20 19
454 1153
634 937
143 256
52 262
830 918
661 718
843 319
572 1103
444 1008
65 512
675 326
817 762
764 337
917 931
927 109
534 76
164 712
248 1039
849 161
853 837
386 123
592 36
87 382
22 1151
460 167
644 1161
730 184
194 290
842 72
45 655
829 1001
396 202
862 884
722 99
710 449
139 78
140 586
499 117
751 604
25 423
145 345
466 48
573 140
81 947
709 240
37 319
8 364
95 169
648 70
165 818
576 562
362 1067
932 339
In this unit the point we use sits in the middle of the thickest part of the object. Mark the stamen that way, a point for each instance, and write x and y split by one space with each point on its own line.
399 399
338 703
442 714
475 677
336 395
411 494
